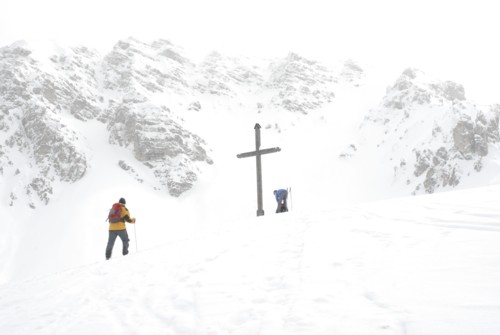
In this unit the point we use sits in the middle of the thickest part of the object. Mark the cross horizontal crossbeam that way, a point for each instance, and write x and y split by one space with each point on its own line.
258 152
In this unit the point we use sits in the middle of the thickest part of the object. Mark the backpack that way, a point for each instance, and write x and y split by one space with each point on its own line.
115 213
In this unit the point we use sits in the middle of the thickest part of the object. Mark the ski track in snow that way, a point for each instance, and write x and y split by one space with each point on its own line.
418 269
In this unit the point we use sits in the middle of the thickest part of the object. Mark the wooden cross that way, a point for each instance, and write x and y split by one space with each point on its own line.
258 153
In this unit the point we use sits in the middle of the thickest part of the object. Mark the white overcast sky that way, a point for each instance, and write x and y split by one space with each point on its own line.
455 40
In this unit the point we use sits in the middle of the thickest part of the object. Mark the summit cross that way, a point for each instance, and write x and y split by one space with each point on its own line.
258 153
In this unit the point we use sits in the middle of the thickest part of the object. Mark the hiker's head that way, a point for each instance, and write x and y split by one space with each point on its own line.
122 201
274 192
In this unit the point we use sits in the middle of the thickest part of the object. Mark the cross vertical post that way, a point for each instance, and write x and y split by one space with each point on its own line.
260 210
258 153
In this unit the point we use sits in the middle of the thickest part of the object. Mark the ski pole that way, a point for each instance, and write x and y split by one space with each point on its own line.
135 233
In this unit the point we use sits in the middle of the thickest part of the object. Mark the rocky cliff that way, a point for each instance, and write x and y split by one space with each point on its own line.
41 94
429 130
37 146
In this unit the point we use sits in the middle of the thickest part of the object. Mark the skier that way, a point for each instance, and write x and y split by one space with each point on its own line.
281 196
117 217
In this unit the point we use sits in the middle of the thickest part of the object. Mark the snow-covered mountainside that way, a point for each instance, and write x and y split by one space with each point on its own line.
79 129
37 145
423 131
141 92
429 133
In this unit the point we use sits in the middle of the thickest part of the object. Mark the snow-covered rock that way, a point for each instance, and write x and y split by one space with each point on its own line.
43 96
158 67
160 143
432 130
301 85
37 144
220 75
431 134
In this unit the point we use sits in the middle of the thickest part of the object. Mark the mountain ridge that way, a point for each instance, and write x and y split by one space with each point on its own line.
131 88
144 92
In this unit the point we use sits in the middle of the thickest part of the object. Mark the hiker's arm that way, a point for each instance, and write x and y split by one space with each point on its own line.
128 219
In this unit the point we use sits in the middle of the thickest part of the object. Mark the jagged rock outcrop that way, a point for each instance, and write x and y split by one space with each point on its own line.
160 143
39 94
444 135
137 72
351 72
53 145
292 84
471 137
463 136
408 91
302 85
31 101
130 170
438 169
219 75
75 86
135 66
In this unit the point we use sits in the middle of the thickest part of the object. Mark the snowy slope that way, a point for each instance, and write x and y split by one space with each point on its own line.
419 265
308 162
338 262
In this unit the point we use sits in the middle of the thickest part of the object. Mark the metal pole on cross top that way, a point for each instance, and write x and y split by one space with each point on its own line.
258 153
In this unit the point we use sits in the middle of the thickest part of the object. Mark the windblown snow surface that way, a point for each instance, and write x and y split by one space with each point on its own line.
353 256
419 265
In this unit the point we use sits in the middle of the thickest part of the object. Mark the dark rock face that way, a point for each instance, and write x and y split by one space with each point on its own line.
463 137
31 102
436 168
53 146
153 68
160 143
